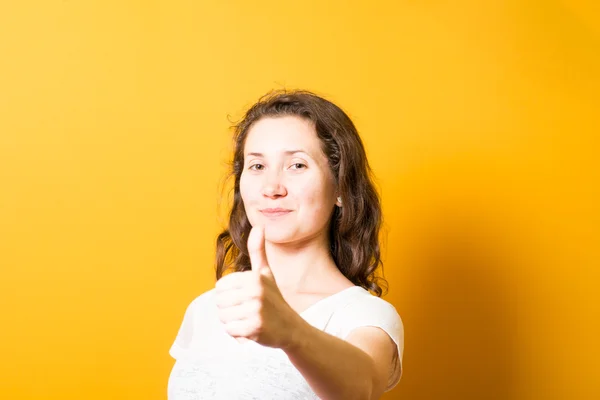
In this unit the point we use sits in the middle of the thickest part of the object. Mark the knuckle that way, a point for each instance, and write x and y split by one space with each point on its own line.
257 292
260 289
221 315
257 306
230 329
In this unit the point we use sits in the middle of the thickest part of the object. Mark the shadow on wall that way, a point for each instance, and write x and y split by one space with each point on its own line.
459 314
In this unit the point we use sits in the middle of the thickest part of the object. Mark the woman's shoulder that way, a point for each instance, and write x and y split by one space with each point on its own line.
362 300
204 298
361 308
201 302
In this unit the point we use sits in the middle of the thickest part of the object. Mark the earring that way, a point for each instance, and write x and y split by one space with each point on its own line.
339 199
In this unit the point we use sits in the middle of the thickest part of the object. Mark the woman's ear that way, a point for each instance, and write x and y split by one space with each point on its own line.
339 201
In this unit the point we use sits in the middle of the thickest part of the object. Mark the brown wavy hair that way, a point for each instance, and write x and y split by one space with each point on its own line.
354 228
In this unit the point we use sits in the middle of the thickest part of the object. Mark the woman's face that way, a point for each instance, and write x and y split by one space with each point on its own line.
286 184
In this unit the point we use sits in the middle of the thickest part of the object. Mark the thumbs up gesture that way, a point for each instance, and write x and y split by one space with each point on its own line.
250 304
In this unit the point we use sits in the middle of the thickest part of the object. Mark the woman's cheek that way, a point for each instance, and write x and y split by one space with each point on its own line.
247 199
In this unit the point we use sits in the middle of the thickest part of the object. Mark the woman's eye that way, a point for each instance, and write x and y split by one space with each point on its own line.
298 166
256 167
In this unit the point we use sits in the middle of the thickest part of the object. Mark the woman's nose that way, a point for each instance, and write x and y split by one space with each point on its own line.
273 186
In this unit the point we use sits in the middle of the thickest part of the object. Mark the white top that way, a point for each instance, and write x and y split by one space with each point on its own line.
210 364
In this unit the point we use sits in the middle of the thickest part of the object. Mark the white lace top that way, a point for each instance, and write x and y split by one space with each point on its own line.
210 364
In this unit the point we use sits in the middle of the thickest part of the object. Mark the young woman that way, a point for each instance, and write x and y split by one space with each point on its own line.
292 315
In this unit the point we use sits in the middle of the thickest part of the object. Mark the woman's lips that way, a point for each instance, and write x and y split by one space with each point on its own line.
275 212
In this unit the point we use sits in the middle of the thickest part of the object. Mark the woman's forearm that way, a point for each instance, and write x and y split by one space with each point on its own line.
334 369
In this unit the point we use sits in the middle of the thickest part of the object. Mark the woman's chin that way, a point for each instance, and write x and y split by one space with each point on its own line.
279 235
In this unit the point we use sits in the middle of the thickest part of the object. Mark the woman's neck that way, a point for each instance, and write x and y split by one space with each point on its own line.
303 266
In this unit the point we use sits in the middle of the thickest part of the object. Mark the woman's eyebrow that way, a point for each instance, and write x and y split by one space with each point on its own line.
287 153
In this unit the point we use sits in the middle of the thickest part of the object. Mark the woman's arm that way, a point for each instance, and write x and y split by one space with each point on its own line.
251 306
336 369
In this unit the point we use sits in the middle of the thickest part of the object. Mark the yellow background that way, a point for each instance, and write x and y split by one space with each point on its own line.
478 118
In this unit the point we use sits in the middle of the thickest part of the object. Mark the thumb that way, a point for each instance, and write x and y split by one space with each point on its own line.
256 250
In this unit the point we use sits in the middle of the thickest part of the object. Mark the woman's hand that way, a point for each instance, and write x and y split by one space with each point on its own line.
250 304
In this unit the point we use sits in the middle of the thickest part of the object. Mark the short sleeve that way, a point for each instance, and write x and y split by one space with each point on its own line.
184 335
373 311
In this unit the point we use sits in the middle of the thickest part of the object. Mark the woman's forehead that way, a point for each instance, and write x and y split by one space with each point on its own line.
282 136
